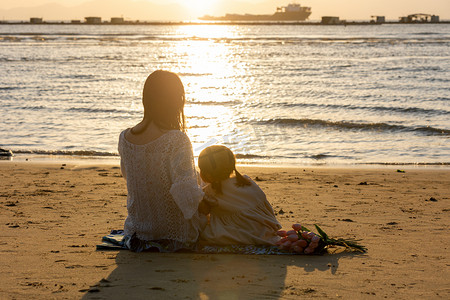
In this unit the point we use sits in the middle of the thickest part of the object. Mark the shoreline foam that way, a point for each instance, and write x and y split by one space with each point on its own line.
60 158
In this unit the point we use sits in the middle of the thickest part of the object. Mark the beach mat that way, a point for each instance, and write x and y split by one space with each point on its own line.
116 240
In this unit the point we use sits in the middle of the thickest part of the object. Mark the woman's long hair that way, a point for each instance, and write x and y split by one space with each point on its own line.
163 99
218 162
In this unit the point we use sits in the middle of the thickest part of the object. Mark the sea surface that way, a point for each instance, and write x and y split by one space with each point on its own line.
275 94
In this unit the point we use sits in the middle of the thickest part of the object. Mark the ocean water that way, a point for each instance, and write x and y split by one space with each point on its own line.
275 94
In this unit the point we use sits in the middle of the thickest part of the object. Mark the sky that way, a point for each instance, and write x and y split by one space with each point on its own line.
178 10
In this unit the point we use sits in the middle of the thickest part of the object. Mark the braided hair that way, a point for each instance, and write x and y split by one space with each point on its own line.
218 162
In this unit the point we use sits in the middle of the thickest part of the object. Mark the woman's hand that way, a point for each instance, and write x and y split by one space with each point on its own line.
206 204
204 207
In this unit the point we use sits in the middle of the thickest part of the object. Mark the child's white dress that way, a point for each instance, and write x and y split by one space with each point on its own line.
163 192
241 215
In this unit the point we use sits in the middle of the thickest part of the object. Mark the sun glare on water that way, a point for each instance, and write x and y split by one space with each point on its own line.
207 62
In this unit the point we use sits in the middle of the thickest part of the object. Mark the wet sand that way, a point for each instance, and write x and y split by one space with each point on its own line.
52 217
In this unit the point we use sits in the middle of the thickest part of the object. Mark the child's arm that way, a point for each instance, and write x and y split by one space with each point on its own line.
204 207
206 204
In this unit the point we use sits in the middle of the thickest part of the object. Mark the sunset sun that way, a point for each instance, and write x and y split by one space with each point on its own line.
200 7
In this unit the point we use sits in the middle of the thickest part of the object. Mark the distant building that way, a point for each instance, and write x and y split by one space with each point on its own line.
93 20
117 20
75 21
36 20
419 18
434 19
330 20
378 19
403 20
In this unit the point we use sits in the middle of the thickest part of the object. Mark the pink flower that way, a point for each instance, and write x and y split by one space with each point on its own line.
285 246
293 237
291 232
281 241
315 239
297 249
297 227
297 242
313 245
302 243
282 233
311 235
309 250
305 235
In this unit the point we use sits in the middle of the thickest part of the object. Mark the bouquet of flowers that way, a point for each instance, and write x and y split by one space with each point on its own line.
302 240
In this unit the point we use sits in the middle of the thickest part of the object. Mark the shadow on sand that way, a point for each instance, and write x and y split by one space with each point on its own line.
204 276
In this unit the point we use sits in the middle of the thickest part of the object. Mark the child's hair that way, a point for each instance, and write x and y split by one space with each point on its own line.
163 99
218 162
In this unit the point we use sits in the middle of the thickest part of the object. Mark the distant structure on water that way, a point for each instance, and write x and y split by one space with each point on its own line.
327 20
93 20
117 20
291 12
419 18
36 21
378 19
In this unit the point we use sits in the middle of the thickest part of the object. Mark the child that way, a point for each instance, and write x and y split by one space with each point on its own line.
239 210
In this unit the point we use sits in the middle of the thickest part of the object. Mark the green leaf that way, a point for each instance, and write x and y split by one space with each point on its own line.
322 233
348 243
305 229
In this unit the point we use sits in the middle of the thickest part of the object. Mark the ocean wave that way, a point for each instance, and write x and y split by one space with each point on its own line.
99 110
136 37
425 33
79 76
68 59
354 126
445 80
194 74
443 98
318 158
323 156
66 152
411 110
27 107
36 107
250 156
100 153
214 102
432 130
406 163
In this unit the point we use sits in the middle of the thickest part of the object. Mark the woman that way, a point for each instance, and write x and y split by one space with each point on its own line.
158 165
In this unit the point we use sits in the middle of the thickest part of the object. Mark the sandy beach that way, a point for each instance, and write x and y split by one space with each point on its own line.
53 216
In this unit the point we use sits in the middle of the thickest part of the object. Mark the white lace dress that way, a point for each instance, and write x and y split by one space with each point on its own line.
163 192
